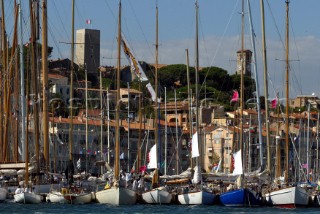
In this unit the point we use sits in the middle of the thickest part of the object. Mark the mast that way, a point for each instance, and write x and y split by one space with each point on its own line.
45 84
108 124
101 122
71 88
165 132
4 67
287 94
156 100
257 85
265 77
242 84
117 150
34 83
197 77
15 116
87 137
189 101
128 167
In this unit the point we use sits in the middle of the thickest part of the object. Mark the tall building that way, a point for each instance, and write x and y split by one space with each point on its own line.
88 49
247 62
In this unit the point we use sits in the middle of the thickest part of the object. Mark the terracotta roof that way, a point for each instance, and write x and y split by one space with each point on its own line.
56 76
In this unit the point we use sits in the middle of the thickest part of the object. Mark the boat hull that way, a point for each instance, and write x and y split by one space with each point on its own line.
56 197
197 198
3 194
78 198
27 198
288 197
240 198
116 196
157 196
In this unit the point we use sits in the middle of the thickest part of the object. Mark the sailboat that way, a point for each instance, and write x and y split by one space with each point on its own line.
198 195
157 195
241 196
27 196
117 194
292 196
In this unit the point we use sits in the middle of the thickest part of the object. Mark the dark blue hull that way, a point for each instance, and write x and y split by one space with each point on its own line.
240 198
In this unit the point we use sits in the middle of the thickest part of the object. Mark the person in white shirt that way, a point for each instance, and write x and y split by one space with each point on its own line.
19 190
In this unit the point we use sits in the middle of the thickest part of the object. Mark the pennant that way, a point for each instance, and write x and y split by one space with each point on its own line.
122 156
195 146
235 96
79 164
274 103
216 167
142 169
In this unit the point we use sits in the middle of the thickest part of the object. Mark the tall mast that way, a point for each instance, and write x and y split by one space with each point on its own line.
22 90
87 136
101 121
117 150
71 86
4 67
242 82
156 90
287 93
45 84
265 77
34 82
197 78
165 132
257 85
189 102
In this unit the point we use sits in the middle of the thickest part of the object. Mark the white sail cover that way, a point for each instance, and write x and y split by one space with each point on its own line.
237 163
153 158
195 146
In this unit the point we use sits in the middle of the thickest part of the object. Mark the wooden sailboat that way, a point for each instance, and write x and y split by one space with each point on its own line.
26 195
157 195
198 195
117 195
293 196
241 196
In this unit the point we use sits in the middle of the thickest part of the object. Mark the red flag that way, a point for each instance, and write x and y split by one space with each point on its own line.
235 96
274 103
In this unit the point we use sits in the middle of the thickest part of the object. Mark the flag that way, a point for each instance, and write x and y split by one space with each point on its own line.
79 164
122 156
88 21
305 166
235 96
195 147
216 167
142 169
274 103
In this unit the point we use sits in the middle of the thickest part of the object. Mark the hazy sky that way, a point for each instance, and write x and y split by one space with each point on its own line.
219 34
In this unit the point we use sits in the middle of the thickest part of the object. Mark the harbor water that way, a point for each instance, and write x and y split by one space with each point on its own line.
11 207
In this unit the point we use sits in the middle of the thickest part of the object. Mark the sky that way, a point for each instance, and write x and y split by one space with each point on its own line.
219 34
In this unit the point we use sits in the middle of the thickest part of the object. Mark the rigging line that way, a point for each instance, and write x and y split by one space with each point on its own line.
275 23
55 41
297 52
221 39
115 30
141 29
59 17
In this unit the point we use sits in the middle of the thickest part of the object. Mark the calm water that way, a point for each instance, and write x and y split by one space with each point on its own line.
99 208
